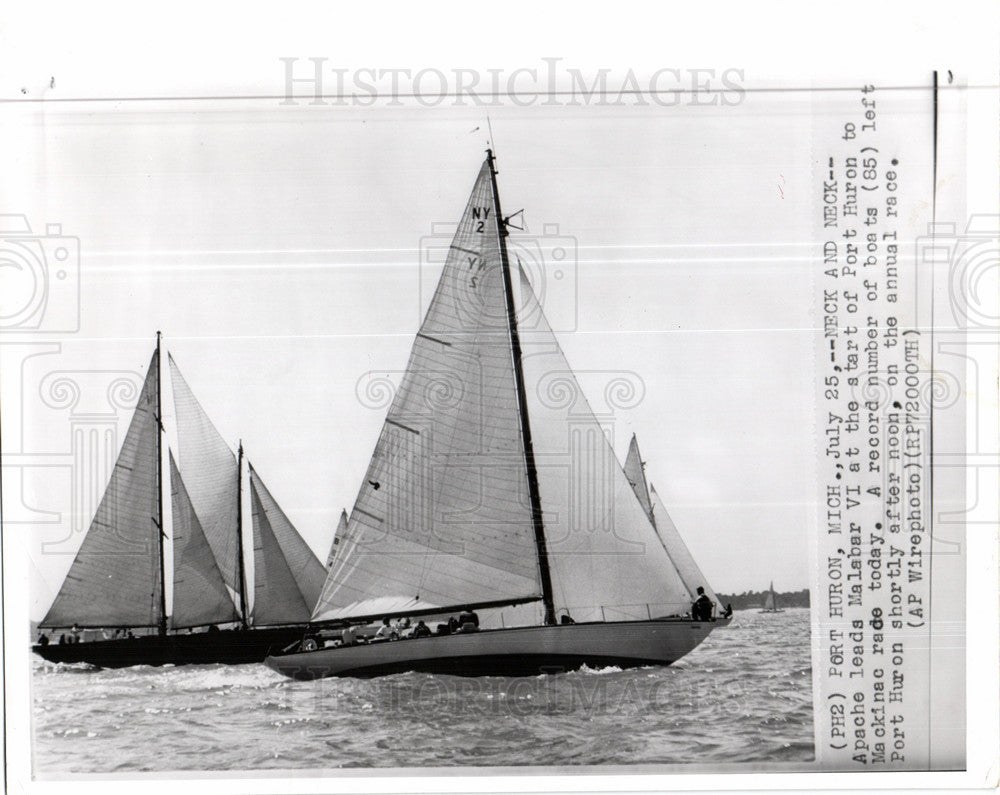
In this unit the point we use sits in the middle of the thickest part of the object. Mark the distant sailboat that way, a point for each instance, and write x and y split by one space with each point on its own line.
339 534
493 485
116 582
770 605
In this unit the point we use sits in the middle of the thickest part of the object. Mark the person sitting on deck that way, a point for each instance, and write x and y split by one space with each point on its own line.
421 630
43 640
468 622
701 609
385 632
468 617
349 636
728 612
566 619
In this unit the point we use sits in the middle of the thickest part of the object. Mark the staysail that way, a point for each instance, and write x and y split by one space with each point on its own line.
341 529
769 603
443 515
287 575
211 476
114 579
200 594
678 551
605 557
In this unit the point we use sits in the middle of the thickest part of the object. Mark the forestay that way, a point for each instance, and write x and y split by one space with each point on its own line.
114 579
442 517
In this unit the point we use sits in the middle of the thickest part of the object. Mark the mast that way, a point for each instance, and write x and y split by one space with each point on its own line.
244 614
159 490
522 402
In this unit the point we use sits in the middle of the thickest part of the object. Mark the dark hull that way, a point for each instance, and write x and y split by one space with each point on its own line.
230 647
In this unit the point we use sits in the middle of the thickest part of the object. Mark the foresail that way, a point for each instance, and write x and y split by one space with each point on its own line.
678 551
605 558
210 474
287 575
636 474
337 536
114 579
443 516
200 593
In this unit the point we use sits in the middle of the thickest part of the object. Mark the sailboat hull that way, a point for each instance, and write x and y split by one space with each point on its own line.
522 651
231 647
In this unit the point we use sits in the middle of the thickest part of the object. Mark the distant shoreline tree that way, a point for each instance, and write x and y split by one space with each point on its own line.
755 599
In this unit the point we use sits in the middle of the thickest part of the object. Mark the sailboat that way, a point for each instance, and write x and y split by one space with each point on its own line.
337 535
493 487
769 601
116 583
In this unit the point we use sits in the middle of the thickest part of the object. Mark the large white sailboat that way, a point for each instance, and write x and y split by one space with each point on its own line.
493 487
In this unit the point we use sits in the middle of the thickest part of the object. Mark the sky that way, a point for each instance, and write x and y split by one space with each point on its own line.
287 254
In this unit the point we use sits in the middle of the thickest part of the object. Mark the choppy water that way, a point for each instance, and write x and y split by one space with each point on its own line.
743 696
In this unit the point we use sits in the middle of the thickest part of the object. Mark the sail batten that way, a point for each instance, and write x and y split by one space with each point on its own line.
114 579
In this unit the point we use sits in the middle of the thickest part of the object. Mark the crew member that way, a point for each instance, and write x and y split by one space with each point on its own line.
701 609
421 630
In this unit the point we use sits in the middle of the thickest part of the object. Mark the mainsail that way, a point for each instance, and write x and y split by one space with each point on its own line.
678 551
114 579
287 575
341 529
211 476
443 515
444 518
200 594
769 603
606 559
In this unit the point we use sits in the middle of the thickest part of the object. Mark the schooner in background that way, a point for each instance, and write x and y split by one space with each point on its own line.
117 582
